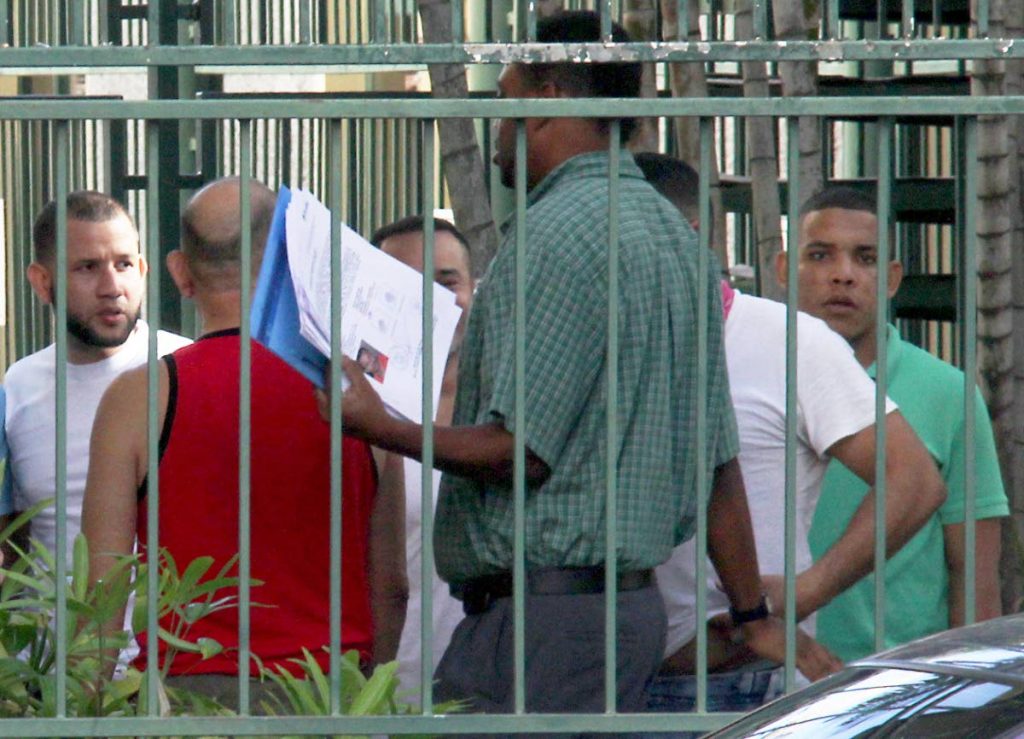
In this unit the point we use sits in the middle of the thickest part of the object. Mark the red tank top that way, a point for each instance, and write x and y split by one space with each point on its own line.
290 506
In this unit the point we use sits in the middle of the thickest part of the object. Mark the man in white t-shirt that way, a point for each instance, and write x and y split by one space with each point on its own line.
835 418
105 284
403 240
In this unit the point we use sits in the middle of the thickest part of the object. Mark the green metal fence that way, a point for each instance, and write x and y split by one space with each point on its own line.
347 130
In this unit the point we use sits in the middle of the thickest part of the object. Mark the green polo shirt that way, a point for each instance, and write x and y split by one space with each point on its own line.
564 417
930 394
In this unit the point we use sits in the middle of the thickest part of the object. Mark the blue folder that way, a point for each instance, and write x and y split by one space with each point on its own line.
274 320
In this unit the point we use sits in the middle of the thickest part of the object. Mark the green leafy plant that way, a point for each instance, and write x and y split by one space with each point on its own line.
310 695
28 629
29 594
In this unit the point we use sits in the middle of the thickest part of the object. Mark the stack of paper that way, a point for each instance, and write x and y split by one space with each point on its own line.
381 305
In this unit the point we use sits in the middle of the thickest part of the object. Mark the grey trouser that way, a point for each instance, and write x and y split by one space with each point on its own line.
564 648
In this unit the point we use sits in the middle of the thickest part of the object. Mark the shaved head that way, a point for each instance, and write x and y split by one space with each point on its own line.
211 234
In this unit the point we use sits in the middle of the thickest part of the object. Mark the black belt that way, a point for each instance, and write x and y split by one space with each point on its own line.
478 595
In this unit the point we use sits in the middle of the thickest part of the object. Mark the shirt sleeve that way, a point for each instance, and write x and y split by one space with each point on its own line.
835 396
990 500
566 330
722 416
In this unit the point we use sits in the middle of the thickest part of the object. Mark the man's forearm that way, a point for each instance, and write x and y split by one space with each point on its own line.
914 492
731 538
987 596
483 452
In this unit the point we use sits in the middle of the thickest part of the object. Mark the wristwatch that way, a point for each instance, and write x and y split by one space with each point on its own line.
761 610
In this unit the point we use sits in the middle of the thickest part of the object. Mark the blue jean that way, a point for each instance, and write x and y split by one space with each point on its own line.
739 690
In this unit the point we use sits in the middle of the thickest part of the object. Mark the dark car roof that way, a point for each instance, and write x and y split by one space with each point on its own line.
992 649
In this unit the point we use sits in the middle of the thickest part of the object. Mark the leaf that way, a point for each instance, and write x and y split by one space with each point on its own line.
377 692
80 567
193 573
177 642
209 647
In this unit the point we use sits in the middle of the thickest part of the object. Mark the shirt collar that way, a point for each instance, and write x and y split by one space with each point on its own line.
591 164
893 352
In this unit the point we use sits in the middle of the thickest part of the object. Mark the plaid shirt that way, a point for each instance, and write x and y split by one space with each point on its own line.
566 381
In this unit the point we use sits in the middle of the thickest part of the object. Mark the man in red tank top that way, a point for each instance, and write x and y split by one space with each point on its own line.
198 406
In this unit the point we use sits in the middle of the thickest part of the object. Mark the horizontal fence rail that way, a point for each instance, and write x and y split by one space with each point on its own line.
864 107
902 50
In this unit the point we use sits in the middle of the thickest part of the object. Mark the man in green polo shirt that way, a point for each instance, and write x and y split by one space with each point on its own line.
924 581
563 420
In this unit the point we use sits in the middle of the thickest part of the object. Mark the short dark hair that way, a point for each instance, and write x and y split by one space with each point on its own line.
674 179
839 196
414 224
83 205
608 80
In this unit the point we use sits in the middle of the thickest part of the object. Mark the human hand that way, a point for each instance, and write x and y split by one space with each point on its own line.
362 411
766 637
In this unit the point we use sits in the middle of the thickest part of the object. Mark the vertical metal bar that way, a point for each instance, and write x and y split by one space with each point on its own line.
153 23
230 25
832 19
606 20
5 23
884 207
682 20
458 22
760 19
152 419
792 303
907 19
334 148
61 441
970 359
519 448
531 21
427 457
611 413
380 22
707 132
304 22
244 423
983 18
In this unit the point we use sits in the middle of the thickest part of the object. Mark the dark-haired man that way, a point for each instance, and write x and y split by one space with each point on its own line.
105 337
924 581
835 418
403 240
563 419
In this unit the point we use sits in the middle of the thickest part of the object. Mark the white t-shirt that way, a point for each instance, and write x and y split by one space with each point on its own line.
31 424
835 399
447 611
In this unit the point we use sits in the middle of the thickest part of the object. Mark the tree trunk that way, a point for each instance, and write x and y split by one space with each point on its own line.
689 80
463 167
798 20
1013 458
762 164
640 19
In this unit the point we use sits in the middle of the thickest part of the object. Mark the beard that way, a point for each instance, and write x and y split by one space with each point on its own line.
89 337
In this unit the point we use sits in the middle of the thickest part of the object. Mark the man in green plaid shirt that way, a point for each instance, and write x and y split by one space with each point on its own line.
563 420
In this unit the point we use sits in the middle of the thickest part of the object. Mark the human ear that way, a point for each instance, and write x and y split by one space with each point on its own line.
895 276
41 280
782 268
177 265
